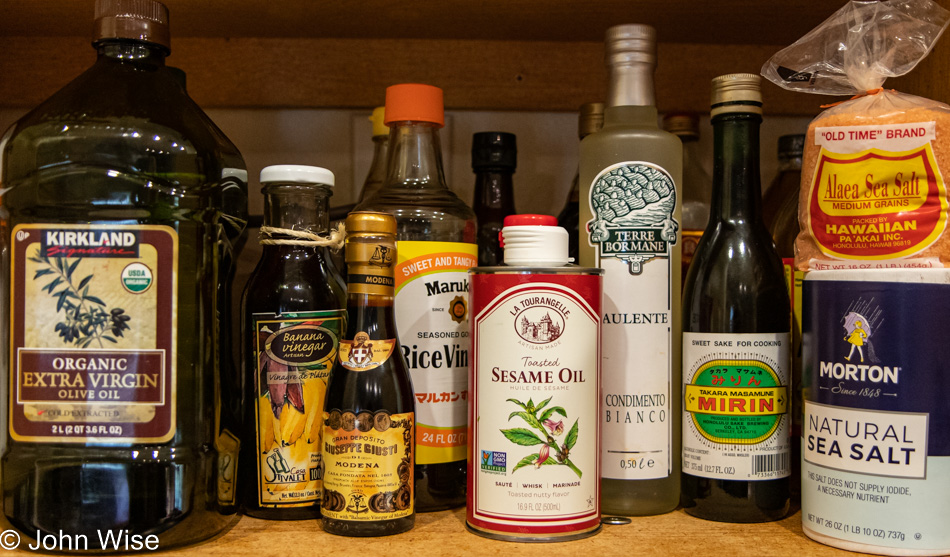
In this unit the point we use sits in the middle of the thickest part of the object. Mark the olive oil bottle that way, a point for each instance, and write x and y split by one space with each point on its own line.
630 217
736 341
121 207
294 313
369 414
436 232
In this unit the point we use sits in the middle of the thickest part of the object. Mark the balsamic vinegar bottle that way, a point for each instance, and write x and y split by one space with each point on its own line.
294 313
630 214
736 341
369 413
494 158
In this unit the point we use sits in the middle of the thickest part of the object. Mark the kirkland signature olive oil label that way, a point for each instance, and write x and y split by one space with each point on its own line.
736 405
634 233
295 353
92 333
369 465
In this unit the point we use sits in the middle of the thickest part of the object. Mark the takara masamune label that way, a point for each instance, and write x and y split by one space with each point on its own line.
92 333
736 405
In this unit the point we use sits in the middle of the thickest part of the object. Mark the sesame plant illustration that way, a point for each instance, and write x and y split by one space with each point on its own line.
85 319
552 452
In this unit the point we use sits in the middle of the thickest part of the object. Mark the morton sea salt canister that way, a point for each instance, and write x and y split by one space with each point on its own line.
876 431
534 428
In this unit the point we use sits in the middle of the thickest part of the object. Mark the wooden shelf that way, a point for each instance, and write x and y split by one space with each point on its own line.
523 55
444 533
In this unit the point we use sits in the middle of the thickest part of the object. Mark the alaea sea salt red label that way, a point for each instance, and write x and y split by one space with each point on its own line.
534 423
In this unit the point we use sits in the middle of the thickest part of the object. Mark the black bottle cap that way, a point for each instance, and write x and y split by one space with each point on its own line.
494 150
791 146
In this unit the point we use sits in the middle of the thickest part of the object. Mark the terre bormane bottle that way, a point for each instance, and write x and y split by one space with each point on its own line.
121 206
630 218
436 234
736 337
590 119
369 415
494 159
294 313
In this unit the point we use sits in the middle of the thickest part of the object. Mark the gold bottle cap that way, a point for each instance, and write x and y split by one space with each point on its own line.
379 121
682 124
631 43
736 92
370 253
591 119
144 20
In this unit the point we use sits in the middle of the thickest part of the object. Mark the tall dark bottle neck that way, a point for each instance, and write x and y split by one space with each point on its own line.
415 155
737 190
138 52
494 189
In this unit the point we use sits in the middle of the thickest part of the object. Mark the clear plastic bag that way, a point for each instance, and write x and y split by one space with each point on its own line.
858 47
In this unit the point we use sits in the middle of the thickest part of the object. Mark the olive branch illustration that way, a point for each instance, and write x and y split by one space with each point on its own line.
85 319
549 430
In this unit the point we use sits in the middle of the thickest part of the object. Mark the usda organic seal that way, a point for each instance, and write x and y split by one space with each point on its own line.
136 278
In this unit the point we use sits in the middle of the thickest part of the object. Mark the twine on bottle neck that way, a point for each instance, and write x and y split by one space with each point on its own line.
303 238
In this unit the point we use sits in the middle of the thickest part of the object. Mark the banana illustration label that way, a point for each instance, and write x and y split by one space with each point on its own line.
294 353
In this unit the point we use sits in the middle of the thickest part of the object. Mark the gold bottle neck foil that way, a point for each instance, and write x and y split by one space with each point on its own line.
370 253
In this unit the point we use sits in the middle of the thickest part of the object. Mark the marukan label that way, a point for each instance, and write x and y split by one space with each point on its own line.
92 333
877 192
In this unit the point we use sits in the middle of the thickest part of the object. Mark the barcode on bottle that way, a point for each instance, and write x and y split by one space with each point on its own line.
765 463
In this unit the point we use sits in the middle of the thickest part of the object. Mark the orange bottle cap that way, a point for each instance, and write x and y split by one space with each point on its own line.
414 102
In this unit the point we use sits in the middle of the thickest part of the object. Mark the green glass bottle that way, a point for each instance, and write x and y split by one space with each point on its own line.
631 204
736 341
122 205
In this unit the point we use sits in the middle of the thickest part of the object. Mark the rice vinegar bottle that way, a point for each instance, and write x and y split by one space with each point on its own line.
436 234
630 226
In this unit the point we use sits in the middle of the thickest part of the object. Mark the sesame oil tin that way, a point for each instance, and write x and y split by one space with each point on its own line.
534 432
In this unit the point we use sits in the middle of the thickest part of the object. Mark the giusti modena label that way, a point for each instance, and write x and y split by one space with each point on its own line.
634 233
876 430
294 353
92 333
432 319
535 422
369 465
877 192
736 405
